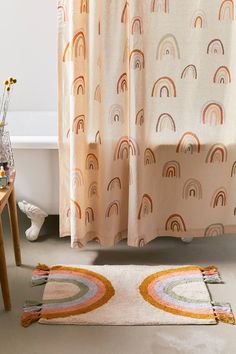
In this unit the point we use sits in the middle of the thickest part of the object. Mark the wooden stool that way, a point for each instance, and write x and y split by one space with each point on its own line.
7 196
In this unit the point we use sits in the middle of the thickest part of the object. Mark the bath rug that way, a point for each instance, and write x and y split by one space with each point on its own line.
126 295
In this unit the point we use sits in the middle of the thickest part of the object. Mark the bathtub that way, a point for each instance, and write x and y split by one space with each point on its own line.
35 148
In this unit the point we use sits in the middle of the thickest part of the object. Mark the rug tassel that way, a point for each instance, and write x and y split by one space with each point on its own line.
31 313
223 312
211 275
43 267
40 274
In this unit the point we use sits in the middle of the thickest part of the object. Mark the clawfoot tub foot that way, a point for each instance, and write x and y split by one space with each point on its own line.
186 239
37 217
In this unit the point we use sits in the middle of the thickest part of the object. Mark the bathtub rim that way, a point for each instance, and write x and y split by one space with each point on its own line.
34 142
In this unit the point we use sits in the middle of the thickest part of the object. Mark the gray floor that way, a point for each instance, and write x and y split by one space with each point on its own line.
37 339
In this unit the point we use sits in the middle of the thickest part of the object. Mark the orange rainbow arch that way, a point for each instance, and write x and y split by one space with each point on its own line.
114 183
189 70
168 47
116 114
93 190
79 45
222 75
164 122
92 162
113 209
217 153
174 223
146 206
125 14
77 178
171 169
97 94
62 13
215 47
164 85
136 25
98 139
199 20
76 207
139 120
219 198
149 157
233 170
126 146
226 11
89 215
136 59
192 189
66 55
84 6
78 86
214 230
189 143
160 6
213 113
78 124
122 84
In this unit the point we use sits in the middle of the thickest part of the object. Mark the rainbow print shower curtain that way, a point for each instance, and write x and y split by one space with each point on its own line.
147 119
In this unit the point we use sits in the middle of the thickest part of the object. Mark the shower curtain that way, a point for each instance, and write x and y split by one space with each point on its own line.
147 119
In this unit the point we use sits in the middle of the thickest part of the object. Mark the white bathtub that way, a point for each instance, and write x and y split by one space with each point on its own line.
35 148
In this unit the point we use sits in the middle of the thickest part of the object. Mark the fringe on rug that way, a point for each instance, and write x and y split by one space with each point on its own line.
223 312
31 313
40 275
211 275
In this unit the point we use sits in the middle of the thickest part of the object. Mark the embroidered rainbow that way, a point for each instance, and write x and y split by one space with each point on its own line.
222 75
217 153
174 223
125 147
164 86
168 47
216 47
146 206
219 198
86 291
171 169
213 113
189 70
160 6
136 25
158 290
189 143
199 20
136 59
226 11
164 122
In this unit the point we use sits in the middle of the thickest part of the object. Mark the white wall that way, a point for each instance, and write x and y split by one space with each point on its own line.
28 51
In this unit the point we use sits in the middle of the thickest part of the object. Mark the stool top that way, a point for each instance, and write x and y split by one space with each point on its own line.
6 192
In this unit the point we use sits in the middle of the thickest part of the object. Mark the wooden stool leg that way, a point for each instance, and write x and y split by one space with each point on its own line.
3 273
14 226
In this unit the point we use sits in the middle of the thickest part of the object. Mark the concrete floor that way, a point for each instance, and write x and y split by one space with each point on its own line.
38 339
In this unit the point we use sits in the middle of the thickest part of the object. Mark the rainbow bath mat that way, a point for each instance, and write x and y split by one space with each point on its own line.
126 295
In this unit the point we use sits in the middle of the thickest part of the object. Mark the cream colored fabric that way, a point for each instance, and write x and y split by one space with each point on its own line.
147 122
